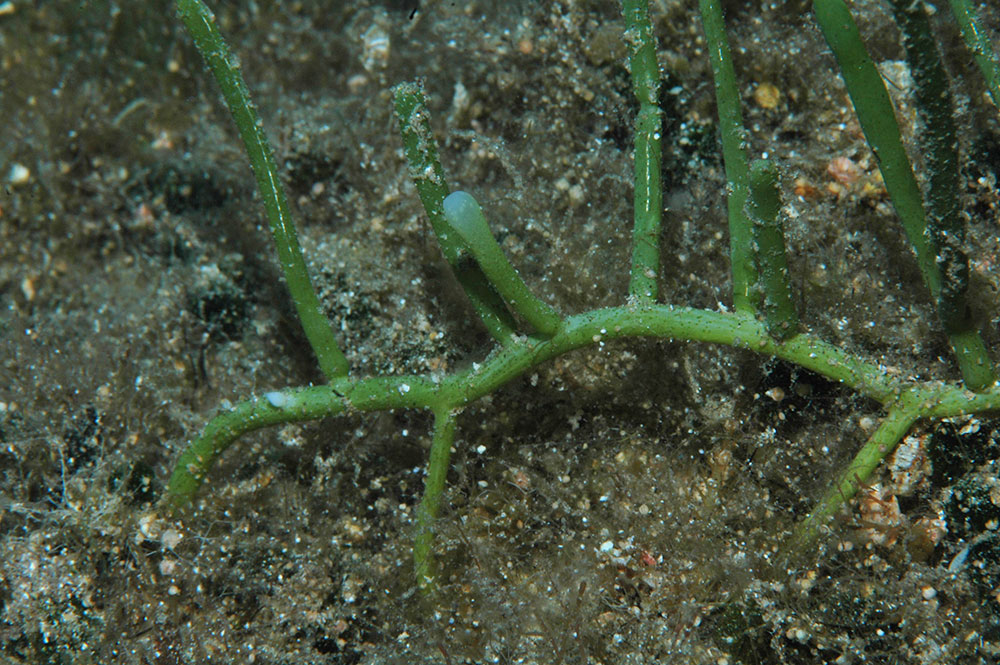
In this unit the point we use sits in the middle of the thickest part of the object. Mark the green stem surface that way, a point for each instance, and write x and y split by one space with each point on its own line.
734 153
764 212
648 194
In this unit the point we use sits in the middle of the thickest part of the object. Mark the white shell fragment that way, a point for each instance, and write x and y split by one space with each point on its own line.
376 48
277 399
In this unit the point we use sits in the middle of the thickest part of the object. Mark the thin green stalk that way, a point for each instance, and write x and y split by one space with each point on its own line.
881 443
938 141
273 409
437 472
428 177
648 194
764 210
937 137
466 222
979 43
734 153
878 121
201 25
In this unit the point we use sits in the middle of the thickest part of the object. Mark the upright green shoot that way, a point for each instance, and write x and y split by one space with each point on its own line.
648 194
764 210
938 141
734 153
878 121
200 23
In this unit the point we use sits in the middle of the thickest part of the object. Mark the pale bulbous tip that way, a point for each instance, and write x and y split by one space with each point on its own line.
461 210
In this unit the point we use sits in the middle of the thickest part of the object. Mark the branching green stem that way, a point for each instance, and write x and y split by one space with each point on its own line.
200 23
346 395
488 278
648 195
734 153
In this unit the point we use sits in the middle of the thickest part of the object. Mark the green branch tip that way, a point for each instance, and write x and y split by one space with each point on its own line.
465 219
